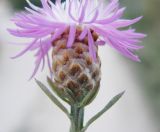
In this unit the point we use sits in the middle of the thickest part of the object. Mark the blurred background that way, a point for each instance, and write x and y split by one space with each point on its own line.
24 108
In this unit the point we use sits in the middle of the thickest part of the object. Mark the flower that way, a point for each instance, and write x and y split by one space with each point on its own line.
46 24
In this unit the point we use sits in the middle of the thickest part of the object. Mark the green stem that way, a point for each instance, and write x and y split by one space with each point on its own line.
77 114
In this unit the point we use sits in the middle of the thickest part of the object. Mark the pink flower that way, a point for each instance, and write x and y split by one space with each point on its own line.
47 23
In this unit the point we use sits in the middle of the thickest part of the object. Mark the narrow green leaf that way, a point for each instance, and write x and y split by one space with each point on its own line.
106 108
52 97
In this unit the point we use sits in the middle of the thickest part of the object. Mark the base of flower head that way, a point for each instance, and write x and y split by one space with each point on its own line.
76 115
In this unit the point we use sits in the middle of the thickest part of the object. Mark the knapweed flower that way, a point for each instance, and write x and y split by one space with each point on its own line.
73 30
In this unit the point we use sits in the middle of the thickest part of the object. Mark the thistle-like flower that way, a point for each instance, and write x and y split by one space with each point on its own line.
73 30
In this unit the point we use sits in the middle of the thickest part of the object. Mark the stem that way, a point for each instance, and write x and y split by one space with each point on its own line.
77 114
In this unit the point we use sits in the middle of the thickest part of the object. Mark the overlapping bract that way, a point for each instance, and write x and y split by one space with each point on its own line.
47 23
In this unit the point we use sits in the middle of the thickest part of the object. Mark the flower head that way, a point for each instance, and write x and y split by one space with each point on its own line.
81 19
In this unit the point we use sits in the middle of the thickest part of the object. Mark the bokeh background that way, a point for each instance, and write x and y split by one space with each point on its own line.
24 108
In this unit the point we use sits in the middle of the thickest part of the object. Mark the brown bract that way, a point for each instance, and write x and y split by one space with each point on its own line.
74 68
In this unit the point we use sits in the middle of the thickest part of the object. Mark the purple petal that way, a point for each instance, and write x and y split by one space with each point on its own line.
58 1
37 65
82 14
45 4
114 17
91 46
71 36
69 11
58 32
40 56
124 23
25 50
94 18
43 56
30 33
83 34
112 6
124 51
123 41
49 65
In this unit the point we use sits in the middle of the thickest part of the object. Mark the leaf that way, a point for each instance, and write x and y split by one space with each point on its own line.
52 97
64 95
106 108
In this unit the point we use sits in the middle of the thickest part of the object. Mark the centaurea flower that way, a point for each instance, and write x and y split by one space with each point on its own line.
74 30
